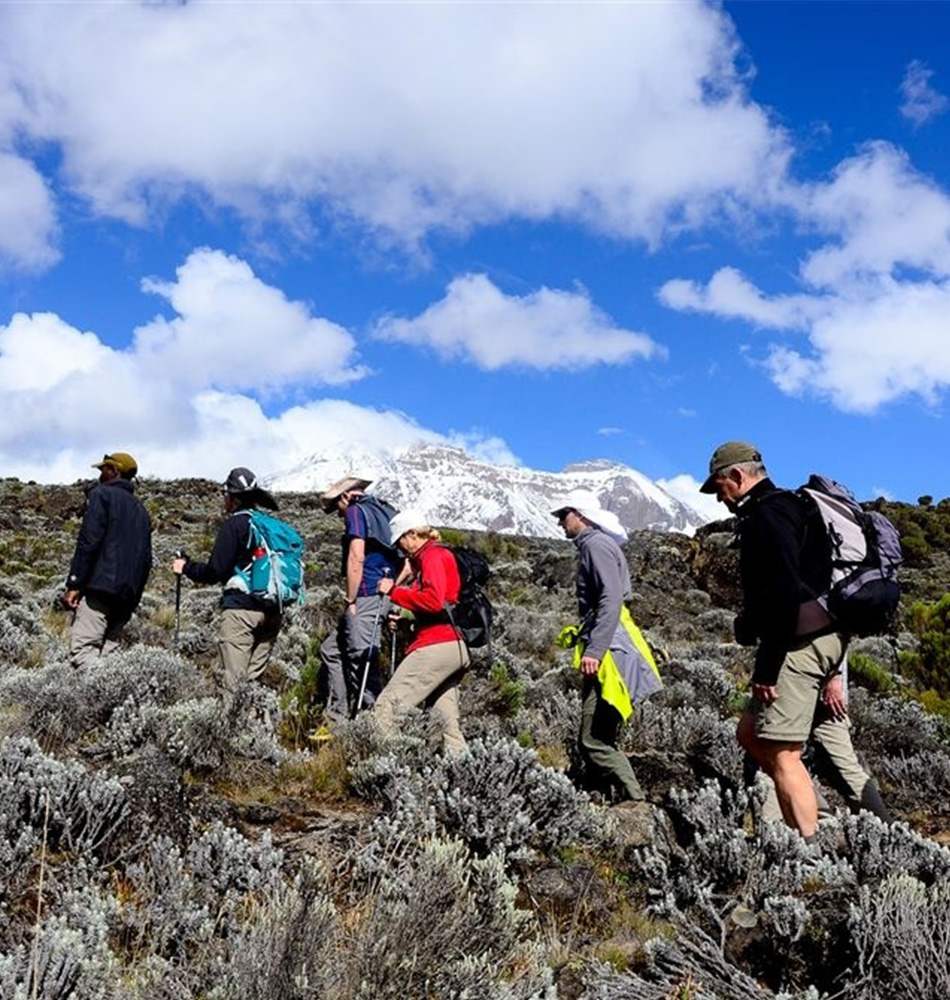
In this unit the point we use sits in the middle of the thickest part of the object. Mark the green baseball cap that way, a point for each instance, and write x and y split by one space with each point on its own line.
730 453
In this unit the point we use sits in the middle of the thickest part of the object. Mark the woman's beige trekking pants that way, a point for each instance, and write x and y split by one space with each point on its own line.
429 675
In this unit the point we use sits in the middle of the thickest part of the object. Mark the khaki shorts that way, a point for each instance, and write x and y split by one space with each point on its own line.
789 719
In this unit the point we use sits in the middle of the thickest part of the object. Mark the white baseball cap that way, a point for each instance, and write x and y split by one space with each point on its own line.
405 521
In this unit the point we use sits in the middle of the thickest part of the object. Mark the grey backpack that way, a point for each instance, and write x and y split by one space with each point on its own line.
866 553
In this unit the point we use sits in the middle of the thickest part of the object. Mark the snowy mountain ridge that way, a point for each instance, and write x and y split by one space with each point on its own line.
459 490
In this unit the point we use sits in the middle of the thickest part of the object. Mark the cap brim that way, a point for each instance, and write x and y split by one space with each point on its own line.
560 510
710 485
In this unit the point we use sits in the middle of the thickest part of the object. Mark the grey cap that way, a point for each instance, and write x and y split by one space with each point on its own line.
730 453
242 482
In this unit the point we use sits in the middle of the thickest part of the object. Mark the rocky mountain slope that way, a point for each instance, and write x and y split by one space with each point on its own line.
152 850
455 488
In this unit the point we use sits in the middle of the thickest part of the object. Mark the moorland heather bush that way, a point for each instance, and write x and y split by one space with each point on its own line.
55 803
68 955
291 947
444 922
58 704
495 797
901 933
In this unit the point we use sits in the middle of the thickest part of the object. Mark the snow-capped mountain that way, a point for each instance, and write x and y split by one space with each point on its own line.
455 489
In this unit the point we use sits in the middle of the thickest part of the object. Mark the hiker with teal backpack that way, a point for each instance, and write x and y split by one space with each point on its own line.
259 561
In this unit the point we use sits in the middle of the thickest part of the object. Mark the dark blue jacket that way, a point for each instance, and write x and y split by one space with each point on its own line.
113 556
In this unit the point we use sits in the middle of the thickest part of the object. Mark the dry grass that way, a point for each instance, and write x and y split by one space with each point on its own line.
553 756
163 617
57 622
323 776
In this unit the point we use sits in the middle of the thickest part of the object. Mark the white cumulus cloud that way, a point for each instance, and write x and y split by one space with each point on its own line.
874 300
921 101
183 397
63 390
234 331
729 293
685 488
881 215
405 117
27 216
871 351
545 329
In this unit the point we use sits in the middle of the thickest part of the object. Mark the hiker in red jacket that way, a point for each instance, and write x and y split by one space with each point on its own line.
437 657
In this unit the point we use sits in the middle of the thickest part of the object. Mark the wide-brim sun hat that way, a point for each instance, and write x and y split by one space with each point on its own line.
587 504
405 521
726 455
329 496
242 482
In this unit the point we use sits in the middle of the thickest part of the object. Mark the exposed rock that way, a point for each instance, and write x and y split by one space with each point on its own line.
634 823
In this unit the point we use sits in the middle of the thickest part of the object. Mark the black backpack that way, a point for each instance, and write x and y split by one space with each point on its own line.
865 554
472 613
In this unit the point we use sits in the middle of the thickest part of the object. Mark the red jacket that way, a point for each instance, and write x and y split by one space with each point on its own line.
437 583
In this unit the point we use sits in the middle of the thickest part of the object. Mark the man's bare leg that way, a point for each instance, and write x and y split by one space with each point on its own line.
782 762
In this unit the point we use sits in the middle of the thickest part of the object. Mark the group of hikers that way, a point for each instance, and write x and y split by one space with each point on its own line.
395 565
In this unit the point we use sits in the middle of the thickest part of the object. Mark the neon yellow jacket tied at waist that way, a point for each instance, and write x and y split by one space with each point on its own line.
628 672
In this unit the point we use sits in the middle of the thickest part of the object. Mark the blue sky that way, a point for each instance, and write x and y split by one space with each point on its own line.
240 233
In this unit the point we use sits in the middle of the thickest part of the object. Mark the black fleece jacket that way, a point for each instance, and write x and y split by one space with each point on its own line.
784 561
231 551
113 555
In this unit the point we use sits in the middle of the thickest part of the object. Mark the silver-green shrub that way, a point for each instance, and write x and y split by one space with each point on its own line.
42 797
494 796
67 956
901 932
291 947
21 628
876 849
61 704
690 733
445 924
183 900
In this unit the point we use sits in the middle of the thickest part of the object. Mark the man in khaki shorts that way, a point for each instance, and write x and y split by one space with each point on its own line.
782 566
835 760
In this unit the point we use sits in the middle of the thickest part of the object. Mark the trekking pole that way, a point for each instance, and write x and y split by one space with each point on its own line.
178 555
369 652
392 656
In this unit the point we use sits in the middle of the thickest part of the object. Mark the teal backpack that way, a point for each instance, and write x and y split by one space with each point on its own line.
275 573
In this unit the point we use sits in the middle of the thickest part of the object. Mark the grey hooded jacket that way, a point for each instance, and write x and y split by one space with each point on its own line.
603 584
